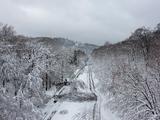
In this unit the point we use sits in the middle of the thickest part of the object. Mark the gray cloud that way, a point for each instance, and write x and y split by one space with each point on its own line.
92 21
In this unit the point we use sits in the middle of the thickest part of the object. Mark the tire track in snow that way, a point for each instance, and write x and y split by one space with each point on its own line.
97 105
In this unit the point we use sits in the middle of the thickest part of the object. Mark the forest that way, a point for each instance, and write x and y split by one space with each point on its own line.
44 78
31 66
129 74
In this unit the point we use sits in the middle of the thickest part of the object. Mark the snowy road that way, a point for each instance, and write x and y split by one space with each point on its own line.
79 110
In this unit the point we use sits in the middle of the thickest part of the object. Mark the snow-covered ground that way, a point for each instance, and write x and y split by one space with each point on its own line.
74 111
68 110
79 110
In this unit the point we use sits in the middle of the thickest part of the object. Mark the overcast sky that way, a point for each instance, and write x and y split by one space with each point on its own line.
91 21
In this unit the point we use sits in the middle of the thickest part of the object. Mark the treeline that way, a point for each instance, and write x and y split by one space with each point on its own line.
129 74
29 67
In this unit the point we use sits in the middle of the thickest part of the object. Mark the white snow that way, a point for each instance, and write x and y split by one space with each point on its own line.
72 109
50 108
51 92
106 114
66 110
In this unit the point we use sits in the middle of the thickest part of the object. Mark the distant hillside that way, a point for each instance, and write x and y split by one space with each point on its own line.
134 44
62 42
88 48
